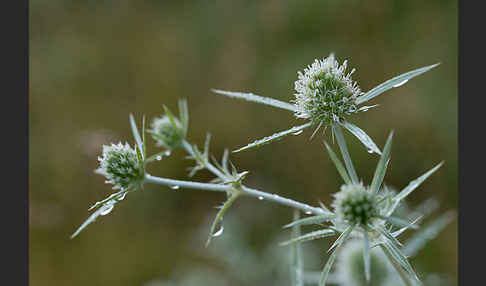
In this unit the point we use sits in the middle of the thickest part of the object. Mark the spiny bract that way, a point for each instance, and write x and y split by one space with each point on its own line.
121 166
325 93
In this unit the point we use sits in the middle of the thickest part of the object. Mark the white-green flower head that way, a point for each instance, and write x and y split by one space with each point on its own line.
325 92
354 204
167 132
350 266
121 166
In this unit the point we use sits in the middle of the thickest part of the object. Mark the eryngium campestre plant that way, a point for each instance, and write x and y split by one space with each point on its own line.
121 166
365 212
326 95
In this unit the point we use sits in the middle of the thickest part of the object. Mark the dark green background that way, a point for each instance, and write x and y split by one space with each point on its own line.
94 62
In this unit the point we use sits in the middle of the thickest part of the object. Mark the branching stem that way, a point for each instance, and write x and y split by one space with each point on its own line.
229 188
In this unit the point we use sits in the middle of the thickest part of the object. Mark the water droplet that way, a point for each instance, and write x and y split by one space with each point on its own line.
120 198
219 232
106 209
175 187
260 198
401 83
308 212
167 153
370 151
298 132
158 158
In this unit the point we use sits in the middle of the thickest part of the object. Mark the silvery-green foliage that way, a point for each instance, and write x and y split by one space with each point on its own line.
326 95
364 212
349 263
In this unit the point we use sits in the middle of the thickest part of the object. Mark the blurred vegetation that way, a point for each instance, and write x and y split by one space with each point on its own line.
94 62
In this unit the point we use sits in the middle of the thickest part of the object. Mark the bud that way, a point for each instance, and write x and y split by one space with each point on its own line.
121 166
167 132
354 204
325 93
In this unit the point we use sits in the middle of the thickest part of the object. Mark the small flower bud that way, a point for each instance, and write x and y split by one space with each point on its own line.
121 166
354 204
324 92
167 132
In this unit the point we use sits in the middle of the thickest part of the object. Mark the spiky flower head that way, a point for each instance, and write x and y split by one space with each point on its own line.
350 266
354 204
325 92
121 165
167 131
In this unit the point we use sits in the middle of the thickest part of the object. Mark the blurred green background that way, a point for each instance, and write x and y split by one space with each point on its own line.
94 62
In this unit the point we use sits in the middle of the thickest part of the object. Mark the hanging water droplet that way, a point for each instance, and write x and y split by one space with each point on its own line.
308 212
370 151
401 83
298 132
120 198
106 209
158 158
175 187
260 198
219 232
167 153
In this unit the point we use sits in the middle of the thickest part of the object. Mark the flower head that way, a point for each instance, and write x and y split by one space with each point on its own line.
166 132
121 165
325 92
355 204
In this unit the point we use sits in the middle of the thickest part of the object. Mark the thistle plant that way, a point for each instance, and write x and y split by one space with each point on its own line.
326 95
366 212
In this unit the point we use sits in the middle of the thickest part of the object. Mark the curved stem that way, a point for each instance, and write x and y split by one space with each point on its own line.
228 188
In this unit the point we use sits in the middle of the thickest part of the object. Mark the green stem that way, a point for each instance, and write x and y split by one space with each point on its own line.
229 188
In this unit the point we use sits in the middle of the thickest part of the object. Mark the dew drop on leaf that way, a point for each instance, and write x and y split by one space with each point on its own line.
260 198
175 187
401 83
106 209
219 232
158 158
120 198
167 153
